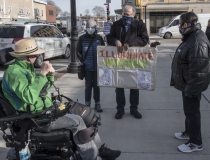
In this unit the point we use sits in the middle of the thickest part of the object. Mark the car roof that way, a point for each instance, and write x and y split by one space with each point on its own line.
15 23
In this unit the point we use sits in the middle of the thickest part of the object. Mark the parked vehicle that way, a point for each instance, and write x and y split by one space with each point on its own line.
47 36
172 29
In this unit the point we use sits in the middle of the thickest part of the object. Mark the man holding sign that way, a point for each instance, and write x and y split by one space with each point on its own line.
126 33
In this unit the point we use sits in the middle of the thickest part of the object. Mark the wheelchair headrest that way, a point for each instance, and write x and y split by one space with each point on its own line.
6 109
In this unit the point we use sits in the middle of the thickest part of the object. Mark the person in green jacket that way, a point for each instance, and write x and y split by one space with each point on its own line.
22 86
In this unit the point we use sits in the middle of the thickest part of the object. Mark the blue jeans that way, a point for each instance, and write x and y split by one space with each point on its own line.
120 98
91 82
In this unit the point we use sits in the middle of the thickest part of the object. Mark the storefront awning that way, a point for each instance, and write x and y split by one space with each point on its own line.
161 8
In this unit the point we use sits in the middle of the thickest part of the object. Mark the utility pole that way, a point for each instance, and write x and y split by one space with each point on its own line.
73 66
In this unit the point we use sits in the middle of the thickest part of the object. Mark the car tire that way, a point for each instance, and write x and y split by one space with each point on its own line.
67 52
167 35
39 61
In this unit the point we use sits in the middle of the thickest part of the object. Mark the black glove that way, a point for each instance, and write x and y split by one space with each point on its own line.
155 44
189 95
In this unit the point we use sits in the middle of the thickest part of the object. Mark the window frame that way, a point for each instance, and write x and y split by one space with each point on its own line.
20 10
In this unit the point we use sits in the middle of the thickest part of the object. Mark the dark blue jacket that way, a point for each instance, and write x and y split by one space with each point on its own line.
82 46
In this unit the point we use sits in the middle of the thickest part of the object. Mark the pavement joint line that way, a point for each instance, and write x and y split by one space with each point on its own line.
167 153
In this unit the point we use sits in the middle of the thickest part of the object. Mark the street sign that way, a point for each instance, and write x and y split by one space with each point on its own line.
108 1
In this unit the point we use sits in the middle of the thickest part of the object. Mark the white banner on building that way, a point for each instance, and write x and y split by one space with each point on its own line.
134 68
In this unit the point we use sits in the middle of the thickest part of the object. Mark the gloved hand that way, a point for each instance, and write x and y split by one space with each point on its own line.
189 95
155 44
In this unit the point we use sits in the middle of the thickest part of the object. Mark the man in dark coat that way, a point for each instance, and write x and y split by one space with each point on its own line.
126 33
208 30
190 75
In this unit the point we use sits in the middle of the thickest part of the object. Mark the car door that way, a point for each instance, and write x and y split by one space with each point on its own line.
48 41
174 28
59 43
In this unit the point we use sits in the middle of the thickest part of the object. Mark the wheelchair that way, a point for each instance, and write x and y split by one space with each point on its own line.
32 130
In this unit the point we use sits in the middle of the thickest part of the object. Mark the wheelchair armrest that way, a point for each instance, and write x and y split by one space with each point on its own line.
21 116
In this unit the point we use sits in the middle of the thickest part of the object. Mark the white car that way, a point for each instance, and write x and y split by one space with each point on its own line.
47 37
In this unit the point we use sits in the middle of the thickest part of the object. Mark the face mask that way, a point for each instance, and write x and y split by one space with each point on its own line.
181 30
127 20
90 31
36 61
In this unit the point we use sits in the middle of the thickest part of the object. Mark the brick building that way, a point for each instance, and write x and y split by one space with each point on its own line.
50 14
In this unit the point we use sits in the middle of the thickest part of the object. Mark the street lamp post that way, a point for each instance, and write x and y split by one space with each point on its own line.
73 66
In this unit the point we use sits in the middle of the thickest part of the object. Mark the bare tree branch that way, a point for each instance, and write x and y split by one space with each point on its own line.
98 11
87 12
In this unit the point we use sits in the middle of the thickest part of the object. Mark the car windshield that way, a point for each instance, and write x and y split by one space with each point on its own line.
11 31
100 29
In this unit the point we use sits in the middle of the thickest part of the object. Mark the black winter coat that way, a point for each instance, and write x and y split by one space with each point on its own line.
135 36
208 33
191 63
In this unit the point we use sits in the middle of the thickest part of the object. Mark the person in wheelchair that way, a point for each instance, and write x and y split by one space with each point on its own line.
22 87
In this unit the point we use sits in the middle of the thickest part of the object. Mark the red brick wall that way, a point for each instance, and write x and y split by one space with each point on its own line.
50 18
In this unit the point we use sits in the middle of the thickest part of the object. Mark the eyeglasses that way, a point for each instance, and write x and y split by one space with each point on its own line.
33 56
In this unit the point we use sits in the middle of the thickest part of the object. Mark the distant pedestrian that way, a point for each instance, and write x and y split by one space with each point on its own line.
190 75
208 30
88 43
126 33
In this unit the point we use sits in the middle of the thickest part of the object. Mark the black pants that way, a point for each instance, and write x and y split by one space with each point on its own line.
120 98
91 82
193 118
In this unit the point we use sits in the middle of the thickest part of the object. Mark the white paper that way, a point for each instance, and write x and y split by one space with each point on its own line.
144 80
105 77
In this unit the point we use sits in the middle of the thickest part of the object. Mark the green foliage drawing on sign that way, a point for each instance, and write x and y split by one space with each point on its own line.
125 63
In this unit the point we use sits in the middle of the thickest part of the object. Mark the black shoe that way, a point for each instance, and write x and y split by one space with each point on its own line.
136 114
119 114
98 108
108 154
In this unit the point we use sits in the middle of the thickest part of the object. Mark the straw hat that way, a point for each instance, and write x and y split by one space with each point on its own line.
26 47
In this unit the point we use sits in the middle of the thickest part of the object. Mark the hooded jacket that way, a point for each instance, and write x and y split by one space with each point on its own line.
22 87
191 63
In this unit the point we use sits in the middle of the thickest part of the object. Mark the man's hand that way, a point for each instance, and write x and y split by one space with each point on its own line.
51 72
46 67
126 46
119 46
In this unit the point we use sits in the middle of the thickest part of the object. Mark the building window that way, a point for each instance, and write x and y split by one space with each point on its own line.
27 11
51 12
1 8
36 12
42 13
159 0
128 1
9 9
20 10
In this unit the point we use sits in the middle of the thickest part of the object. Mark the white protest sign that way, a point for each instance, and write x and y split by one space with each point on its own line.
134 68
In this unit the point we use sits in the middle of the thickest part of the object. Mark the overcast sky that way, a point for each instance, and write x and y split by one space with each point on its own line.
82 5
